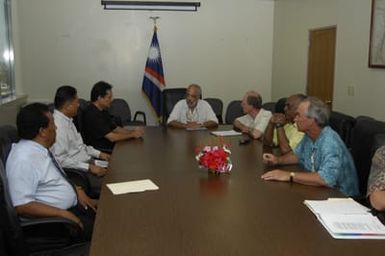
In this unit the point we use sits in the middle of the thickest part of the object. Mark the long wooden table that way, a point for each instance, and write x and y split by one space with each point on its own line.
197 213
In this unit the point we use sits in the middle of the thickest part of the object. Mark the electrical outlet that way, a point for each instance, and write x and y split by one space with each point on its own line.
351 90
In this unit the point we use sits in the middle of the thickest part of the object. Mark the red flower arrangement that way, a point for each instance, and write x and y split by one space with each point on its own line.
215 158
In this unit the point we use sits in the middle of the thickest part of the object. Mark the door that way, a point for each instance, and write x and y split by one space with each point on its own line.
320 73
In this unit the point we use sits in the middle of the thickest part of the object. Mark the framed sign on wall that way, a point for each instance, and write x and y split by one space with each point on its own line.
377 35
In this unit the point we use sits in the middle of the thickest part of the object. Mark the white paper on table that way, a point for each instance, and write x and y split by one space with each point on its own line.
101 163
132 186
353 226
336 206
226 133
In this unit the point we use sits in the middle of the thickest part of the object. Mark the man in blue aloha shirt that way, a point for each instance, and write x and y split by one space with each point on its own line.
321 153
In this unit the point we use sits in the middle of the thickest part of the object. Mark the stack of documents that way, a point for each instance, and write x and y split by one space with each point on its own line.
226 133
344 218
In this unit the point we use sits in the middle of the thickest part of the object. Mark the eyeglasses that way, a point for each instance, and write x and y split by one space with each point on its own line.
192 96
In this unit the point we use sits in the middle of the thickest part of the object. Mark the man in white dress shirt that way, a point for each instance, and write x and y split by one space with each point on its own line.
192 112
38 186
69 149
255 121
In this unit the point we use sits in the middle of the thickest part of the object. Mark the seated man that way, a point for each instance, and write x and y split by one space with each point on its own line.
99 129
376 182
256 119
192 112
321 153
38 186
69 149
282 130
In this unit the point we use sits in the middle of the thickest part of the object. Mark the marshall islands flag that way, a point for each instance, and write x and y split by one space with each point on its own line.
153 81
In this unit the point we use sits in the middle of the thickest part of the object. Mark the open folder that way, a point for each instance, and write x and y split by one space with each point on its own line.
132 186
344 218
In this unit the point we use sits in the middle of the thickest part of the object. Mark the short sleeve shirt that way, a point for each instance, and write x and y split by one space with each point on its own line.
97 124
259 123
376 180
33 177
293 135
329 157
202 113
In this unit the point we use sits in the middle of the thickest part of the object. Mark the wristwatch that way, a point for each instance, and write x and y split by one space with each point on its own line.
292 174
278 125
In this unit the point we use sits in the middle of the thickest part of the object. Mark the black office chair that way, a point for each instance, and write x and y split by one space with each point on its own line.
233 111
280 106
51 107
270 106
170 98
8 135
217 106
362 146
78 119
343 125
40 236
120 110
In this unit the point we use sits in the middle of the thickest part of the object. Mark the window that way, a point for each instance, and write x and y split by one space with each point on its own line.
7 81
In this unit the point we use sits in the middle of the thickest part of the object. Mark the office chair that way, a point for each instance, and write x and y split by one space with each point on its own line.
280 106
8 135
362 146
120 110
51 107
270 106
170 98
233 111
217 106
40 236
343 125
78 119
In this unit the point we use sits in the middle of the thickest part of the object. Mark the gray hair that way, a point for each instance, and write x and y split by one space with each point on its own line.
318 111
196 87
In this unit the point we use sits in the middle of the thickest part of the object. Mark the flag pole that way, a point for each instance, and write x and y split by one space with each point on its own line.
154 18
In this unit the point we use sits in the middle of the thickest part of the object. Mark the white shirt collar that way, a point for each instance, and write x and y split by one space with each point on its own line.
35 145
59 114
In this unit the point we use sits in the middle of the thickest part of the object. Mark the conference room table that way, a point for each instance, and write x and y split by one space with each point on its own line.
195 212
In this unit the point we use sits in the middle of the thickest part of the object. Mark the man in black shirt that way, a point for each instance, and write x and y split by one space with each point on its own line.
100 130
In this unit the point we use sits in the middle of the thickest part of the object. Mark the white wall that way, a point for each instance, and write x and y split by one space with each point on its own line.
293 20
226 47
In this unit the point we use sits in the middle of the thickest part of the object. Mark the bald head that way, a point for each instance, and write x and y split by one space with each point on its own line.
291 105
193 94
253 99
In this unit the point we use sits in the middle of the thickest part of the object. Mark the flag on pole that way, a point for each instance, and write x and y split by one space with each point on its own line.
153 81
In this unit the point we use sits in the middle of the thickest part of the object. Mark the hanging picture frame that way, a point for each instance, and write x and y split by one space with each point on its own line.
377 35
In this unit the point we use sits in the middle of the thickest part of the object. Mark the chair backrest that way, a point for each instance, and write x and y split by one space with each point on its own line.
120 110
343 125
9 222
233 111
217 106
78 120
269 106
83 103
362 141
170 98
379 141
51 107
280 105
8 135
